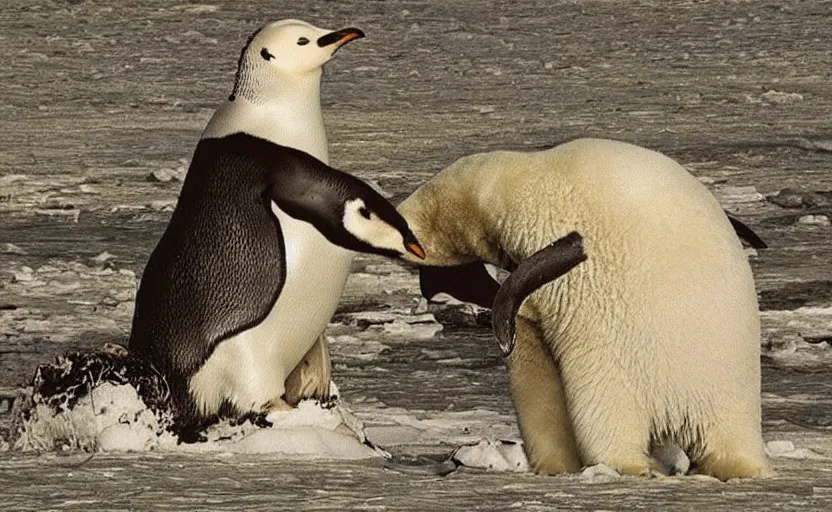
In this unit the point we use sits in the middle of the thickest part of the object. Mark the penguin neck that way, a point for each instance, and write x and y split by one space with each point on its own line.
287 112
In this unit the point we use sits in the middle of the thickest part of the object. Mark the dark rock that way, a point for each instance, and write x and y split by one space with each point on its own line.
796 295
819 339
791 198
460 315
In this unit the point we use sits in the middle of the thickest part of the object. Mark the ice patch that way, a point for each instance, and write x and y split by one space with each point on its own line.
399 427
509 456
599 472
106 400
355 348
493 455
395 324
309 432
415 330
786 449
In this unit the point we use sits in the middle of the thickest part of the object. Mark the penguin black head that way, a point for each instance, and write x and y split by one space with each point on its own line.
343 208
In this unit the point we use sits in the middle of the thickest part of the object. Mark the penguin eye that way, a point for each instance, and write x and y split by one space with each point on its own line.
303 41
265 54
364 212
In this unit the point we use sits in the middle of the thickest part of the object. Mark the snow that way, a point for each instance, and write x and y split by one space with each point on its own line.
787 449
110 418
599 472
395 323
113 418
814 220
493 455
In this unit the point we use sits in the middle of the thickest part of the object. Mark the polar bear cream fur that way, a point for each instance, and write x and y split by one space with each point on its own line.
654 339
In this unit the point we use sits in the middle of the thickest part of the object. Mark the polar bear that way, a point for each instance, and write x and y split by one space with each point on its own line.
653 340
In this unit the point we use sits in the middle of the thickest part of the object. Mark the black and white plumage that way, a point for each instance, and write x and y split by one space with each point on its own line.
276 96
220 266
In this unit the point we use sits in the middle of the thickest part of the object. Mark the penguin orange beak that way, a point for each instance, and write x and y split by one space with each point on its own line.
340 37
414 248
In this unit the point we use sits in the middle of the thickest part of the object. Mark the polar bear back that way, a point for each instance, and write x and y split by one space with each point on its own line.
666 275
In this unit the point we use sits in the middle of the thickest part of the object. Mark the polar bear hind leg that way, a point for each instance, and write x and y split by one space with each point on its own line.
610 427
537 393
730 452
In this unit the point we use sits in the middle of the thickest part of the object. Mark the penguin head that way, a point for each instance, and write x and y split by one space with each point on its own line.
376 227
288 48
343 208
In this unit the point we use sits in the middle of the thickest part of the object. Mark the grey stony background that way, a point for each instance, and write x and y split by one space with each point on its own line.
102 103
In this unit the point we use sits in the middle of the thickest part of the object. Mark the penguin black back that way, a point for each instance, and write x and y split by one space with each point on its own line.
218 267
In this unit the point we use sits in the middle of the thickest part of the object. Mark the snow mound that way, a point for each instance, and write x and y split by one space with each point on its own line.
106 401
114 418
109 418
493 455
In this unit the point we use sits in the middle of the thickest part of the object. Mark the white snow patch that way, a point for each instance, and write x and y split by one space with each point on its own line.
396 281
784 332
12 249
728 194
786 449
780 97
396 324
494 455
309 431
403 329
113 418
814 220
509 456
599 472
397 427
110 418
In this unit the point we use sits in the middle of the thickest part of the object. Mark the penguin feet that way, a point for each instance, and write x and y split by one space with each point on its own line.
310 378
114 349
257 419
276 405
328 402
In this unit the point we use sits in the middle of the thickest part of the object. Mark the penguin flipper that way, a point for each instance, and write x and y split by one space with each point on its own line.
747 234
470 282
540 268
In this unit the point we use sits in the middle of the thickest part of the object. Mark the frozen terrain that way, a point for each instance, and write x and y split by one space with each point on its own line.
102 104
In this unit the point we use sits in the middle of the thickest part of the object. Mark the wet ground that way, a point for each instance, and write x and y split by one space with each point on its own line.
96 97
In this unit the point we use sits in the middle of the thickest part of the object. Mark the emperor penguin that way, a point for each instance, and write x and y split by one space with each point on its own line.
276 96
212 313
652 341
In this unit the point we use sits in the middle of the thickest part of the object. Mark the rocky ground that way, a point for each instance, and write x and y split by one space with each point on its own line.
102 106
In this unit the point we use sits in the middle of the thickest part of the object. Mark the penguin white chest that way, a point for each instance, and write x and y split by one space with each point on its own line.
297 124
250 368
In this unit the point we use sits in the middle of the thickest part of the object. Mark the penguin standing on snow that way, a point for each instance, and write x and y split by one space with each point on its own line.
211 311
276 96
